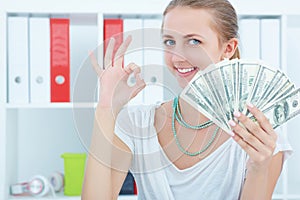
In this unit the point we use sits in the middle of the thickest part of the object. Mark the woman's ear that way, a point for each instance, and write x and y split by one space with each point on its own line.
230 48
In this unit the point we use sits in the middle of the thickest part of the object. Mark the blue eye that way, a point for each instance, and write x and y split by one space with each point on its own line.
194 42
169 42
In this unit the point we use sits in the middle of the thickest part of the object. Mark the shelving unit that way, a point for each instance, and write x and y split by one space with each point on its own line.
62 197
33 136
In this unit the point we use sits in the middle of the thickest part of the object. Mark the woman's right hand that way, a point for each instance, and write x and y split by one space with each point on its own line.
114 91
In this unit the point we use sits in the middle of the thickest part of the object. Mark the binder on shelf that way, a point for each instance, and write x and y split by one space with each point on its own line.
153 62
60 60
80 69
128 186
270 41
250 38
113 28
135 190
39 59
18 70
134 27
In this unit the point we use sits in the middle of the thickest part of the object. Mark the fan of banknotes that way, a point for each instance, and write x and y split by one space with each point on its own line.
227 86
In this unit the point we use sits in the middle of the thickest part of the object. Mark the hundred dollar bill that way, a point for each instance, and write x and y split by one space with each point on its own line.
278 89
224 87
227 74
235 76
285 90
200 87
274 84
284 109
191 97
263 79
214 82
247 74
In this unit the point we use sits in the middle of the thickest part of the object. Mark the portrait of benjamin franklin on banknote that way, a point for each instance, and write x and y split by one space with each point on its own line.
281 112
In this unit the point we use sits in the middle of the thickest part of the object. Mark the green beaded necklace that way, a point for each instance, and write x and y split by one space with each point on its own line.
185 124
196 127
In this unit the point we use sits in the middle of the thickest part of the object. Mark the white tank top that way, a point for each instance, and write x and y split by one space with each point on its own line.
219 176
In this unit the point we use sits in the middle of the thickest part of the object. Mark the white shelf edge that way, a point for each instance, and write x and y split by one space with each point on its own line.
127 197
123 197
289 196
61 197
50 105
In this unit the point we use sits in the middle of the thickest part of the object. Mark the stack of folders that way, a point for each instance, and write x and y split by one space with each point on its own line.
227 86
38 60
39 52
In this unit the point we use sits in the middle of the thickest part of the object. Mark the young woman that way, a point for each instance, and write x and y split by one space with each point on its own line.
187 157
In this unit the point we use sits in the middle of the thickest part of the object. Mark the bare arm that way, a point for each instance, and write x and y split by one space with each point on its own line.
259 141
108 161
109 158
261 184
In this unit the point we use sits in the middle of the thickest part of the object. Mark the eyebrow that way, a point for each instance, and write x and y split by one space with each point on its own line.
168 36
186 36
192 34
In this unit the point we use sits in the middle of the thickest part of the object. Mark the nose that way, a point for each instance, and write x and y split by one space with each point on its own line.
177 55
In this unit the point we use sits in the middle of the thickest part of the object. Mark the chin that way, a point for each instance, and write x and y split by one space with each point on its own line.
183 82
184 79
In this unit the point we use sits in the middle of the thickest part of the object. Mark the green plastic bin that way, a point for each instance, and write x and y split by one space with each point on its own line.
74 164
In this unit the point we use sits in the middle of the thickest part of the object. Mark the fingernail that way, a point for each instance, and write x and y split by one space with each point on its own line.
129 37
250 105
231 123
236 113
231 133
139 76
133 66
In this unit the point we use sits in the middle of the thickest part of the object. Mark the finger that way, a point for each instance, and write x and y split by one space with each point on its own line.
262 120
245 146
131 67
253 153
119 57
254 128
136 70
247 137
95 64
140 83
108 58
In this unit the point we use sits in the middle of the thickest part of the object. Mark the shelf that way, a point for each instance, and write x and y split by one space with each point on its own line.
62 197
51 105
123 197
127 197
280 197
46 198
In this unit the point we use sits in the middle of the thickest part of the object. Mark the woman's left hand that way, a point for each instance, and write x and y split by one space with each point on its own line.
258 139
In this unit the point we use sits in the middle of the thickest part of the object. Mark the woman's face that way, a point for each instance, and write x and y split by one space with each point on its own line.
190 43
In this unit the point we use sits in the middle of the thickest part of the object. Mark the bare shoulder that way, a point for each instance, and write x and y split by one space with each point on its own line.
163 114
164 109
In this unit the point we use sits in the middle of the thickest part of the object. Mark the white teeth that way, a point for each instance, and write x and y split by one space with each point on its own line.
185 70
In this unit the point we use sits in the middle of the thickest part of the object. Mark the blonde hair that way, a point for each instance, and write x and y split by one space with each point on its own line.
225 18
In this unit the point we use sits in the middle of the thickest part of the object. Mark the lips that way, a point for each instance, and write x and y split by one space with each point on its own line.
186 71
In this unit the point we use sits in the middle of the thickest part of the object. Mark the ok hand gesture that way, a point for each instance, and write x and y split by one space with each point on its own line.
114 90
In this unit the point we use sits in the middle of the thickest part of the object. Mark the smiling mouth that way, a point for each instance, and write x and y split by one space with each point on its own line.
186 71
